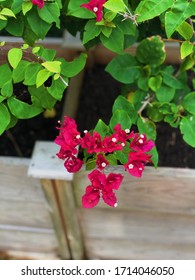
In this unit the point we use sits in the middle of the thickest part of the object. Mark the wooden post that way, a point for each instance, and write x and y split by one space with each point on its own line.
57 185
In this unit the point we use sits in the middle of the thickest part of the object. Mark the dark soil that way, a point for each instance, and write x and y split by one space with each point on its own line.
98 94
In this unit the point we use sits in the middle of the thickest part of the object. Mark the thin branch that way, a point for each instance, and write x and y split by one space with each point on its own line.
15 144
144 104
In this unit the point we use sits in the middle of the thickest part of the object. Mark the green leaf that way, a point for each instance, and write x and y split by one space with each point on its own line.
42 76
7 74
22 110
72 68
41 97
121 103
15 26
7 89
151 51
115 6
155 82
189 102
75 9
52 66
111 159
26 6
7 12
171 81
47 54
91 31
121 156
14 57
124 68
186 49
187 127
38 26
147 127
149 9
165 93
90 164
57 89
154 157
185 30
106 31
4 118
180 11
31 72
102 128
154 114
115 42
120 117
50 13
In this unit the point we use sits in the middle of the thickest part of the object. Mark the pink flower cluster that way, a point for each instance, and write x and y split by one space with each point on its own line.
137 145
39 3
96 6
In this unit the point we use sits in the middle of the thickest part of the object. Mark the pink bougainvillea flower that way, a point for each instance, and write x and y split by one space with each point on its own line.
100 185
101 162
73 164
136 163
122 135
39 3
109 198
110 144
96 6
141 143
91 197
93 143
97 179
114 181
69 135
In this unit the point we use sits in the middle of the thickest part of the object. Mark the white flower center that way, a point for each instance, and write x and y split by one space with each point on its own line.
141 141
85 131
127 130
130 166
115 205
103 164
123 144
78 136
140 169
141 136
95 9
114 139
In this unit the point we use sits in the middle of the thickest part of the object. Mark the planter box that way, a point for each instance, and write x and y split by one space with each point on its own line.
26 229
155 217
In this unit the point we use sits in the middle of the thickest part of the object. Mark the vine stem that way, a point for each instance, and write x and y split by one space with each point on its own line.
144 104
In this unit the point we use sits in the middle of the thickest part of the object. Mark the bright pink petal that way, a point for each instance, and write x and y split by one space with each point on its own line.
101 162
114 181
73 164
110 199
97 179
91 197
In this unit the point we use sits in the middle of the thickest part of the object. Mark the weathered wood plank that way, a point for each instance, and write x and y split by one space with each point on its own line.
110 234
169 190
29 244
45 163
25 214
51 194
70 219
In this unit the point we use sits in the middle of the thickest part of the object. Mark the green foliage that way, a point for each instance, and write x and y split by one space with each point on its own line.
152 91
34 75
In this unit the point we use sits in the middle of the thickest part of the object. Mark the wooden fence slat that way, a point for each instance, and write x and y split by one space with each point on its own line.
73 231
27 244
110 234
51 196
167 190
